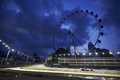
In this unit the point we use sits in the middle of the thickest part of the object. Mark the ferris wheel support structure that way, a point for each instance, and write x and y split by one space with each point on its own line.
95 16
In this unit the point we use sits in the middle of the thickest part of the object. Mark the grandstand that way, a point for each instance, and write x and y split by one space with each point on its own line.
94 62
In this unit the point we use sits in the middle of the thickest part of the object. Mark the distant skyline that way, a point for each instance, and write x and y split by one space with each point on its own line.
29 24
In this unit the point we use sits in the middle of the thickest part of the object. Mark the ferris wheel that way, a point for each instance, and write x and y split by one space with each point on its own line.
71 34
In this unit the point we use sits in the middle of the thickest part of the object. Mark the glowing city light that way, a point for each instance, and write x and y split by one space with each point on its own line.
6 45
83 53
118 52
90 54
3 43
110 52
96 53
103 53
13 50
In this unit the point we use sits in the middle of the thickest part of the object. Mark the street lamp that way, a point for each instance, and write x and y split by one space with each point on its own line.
68 54
96 53
8 53
118 52
13 50
103 53
6 45
110 52
3 43
83 53
89 53
0 40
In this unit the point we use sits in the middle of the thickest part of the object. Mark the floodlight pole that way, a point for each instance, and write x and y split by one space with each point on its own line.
7 54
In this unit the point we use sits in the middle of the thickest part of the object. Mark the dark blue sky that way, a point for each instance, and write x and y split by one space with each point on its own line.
29 24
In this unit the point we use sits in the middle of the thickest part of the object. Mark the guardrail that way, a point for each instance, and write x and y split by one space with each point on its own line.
10 62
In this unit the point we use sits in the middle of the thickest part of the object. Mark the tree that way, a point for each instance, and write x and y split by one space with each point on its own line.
62 51
36 57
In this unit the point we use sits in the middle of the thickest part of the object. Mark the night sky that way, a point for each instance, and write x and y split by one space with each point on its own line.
29 25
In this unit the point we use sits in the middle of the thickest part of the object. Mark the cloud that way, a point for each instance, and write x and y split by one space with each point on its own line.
111 12
29 25
111 20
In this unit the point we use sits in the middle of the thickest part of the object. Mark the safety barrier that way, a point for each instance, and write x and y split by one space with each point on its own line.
10 62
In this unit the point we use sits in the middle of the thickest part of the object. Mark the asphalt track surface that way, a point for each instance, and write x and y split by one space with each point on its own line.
41 71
